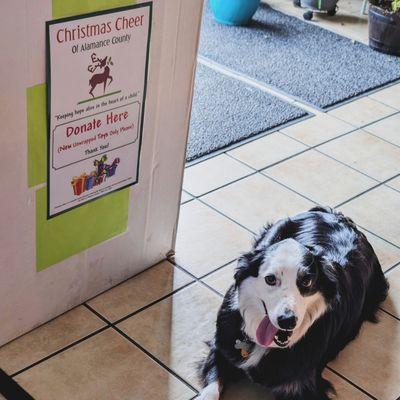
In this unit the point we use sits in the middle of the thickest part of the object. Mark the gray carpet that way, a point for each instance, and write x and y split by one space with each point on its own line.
226 111
299 58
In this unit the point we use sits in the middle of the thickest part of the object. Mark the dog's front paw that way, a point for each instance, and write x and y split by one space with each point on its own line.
210 392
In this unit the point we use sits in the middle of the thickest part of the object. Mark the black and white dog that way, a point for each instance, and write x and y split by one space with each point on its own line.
300 296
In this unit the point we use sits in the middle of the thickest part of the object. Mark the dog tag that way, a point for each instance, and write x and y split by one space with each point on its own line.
243 347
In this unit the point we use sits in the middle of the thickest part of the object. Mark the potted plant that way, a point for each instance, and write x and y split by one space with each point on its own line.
384 26
234 12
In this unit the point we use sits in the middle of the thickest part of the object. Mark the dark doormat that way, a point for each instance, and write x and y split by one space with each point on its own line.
226 110
306 61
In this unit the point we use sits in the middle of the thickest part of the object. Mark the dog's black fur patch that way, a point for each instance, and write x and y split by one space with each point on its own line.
348 275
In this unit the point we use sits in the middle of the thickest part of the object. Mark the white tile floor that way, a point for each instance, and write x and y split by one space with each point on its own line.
159 338
140 340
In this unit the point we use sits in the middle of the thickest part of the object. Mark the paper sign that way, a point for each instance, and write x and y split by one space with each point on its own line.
96 82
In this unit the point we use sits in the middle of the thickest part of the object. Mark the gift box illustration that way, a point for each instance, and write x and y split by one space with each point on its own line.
79 184
97 177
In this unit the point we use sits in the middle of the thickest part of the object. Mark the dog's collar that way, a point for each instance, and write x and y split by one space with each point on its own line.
244 344
244 348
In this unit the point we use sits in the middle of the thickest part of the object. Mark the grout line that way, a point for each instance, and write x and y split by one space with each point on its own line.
378 236
368 190
110 324
261 172
280 130
359 171
140 347
307 198
155 359
389 313
380 101
299 194
284 126
159 300
208 274
76 342
224 215
379 137
274 163
315 147
351 383
364 94
375 121
308 148
102 317
373 233
249 139
222 186
294 191
40 325
119 283
392 268
346 165
395 111
187 201
199 280
321 143
183 191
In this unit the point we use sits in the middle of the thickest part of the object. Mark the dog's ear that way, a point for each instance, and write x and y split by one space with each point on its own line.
330 275
311 249
248 265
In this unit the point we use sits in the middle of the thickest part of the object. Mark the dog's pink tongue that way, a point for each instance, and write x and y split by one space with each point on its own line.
265 332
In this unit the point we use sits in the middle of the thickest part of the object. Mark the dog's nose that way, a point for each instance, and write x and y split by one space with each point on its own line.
287 321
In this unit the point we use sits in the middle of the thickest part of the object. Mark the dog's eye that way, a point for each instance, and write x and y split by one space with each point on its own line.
307 281
270 280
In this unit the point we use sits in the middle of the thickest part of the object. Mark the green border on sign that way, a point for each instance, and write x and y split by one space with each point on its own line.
37 134
69 234
69 8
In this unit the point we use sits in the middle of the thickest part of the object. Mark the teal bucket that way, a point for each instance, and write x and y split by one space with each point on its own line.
234 12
